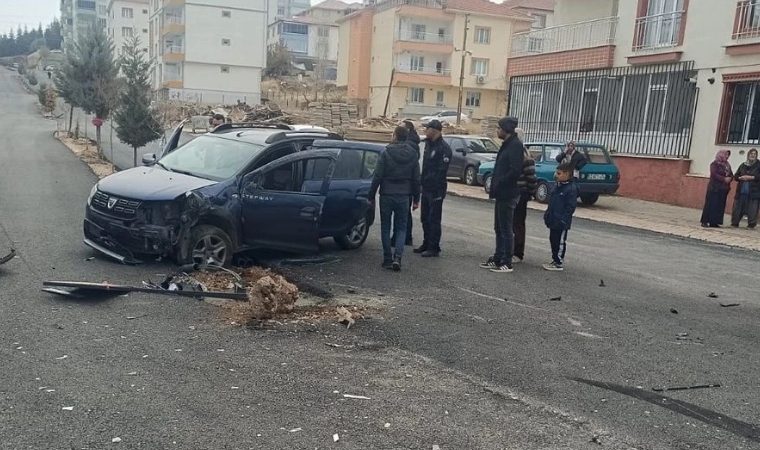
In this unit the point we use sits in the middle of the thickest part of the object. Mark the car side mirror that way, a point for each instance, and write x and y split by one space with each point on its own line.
462 151
149 159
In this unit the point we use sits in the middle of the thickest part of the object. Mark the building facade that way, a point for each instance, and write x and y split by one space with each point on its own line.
209 51
663 83
542 11
312 36
404 57
127 19
78 15
288 8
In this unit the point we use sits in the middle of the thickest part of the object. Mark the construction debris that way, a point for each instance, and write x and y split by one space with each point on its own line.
489 125
333 116
87 289
345 317
8 257
175 112
271 295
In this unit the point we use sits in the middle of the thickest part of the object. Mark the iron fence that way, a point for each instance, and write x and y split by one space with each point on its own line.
633 110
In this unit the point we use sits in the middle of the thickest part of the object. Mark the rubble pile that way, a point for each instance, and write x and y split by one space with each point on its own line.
377 122
489 125
272 295
333 116
174 112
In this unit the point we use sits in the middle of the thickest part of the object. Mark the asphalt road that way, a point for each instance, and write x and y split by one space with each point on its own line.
457 357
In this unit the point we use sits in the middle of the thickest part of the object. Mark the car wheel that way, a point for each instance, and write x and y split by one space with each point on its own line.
355 236
542 192
210 245
589 199
487 184
470 176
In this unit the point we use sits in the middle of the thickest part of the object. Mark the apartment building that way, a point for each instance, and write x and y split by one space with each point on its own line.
312 36
404 57
663 83
127 19
542 11
78 15
209 51
289 8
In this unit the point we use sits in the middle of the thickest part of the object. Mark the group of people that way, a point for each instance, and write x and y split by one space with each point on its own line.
403 188
746 198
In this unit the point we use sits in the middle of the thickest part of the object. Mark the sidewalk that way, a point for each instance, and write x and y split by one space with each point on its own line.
650 216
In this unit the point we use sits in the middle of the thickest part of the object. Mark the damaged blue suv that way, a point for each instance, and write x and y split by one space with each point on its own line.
239 187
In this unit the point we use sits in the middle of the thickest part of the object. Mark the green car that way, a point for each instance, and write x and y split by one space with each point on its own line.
599 176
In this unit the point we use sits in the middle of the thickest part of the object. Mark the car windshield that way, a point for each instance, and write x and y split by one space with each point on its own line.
211 157
484 145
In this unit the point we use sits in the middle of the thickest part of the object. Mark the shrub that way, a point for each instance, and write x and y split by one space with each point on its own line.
42 94
32 79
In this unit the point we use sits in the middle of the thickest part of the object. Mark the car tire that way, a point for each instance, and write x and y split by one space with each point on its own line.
487 183
355 236
209 245
542 192
471 176
589 199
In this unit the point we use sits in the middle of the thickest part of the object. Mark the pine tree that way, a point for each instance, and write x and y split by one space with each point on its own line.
88 76
136 124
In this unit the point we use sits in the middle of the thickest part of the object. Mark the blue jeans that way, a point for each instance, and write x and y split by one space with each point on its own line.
504 213
396 208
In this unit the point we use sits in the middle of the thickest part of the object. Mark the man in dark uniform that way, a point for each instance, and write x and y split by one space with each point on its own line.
435 166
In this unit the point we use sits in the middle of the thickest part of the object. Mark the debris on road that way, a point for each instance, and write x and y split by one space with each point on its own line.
8 257
712 295
345 317
359 397
63 357
601 283
673 310
90 258
91 289
116 440
684 388
271 295
729 305
555 299
294 430
336 438
68 408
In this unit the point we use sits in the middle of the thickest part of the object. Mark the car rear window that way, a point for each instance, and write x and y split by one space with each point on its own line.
596 155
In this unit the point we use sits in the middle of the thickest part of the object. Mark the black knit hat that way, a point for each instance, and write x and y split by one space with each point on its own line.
508 124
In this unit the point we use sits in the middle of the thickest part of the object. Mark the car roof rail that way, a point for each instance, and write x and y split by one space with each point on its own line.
232 126
293 133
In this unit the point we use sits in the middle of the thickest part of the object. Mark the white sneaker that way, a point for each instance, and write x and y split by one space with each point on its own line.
553 267
503 268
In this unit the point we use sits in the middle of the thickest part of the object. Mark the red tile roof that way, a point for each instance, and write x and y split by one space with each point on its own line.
484 7
336 5
545 5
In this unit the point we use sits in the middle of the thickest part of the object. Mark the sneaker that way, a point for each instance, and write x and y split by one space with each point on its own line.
517 260
421 249
431 254
396 265
553 267
489 264
503 268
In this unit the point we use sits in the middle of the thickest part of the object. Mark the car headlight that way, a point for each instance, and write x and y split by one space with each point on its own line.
92 194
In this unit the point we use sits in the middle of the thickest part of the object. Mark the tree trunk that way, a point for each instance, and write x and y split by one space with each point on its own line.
97 142
134 151
71 116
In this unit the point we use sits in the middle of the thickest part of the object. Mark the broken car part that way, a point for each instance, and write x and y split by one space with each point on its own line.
684 388
8 257
85 287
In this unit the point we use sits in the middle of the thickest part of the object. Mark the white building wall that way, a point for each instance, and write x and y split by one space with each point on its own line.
138 23
212 86
331 41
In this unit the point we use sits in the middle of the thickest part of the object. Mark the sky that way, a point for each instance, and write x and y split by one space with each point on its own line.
27 12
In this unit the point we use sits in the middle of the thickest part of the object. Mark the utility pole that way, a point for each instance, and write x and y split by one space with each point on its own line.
388 96
461 69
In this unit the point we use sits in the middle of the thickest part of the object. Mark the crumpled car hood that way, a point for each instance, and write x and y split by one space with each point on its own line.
150 184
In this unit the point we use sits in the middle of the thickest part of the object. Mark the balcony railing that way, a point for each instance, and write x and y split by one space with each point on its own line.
575 36
174 20
172 77
176 49
432 38
405 68
747 25
658 31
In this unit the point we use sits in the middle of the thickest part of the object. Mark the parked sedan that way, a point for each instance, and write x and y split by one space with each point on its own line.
236 188
467 154
445 116
599 176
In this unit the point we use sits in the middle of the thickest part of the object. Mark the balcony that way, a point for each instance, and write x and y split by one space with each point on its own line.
172 80
658 32
414 74
746 34
173 25
415 41
575 36
174 53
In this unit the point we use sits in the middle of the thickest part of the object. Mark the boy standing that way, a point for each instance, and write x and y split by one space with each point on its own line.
559 215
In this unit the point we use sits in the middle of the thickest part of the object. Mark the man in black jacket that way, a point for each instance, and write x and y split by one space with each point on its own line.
397 175
413 139
508 168
435 166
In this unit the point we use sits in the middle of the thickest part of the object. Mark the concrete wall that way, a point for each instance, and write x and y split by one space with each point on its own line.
572 11
208 77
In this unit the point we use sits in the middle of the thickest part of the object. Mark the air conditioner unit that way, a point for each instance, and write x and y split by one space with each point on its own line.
480 79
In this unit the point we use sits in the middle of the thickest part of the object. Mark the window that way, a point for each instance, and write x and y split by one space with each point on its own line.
145 30
418 32
84 4
323 31
102 10
351 165
439 67
226 42
126 32
472 99
589 104
479 67
742 114
417 64
127 13
539 20
225 69
370 163
295 28
280 10
439 98
282 178
417 95
227 14
145 11
101 22
482 35
662 25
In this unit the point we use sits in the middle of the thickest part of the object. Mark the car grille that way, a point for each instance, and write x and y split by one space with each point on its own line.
115 206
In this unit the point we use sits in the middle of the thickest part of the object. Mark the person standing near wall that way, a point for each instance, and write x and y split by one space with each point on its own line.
747 199
717 190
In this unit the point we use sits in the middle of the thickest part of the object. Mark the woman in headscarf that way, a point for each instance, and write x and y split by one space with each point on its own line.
717 190
747 199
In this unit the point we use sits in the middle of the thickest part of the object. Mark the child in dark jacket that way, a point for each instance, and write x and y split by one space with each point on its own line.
559 215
